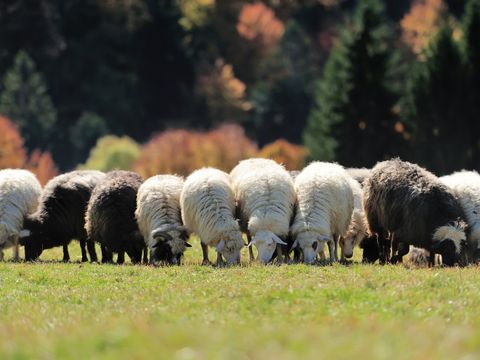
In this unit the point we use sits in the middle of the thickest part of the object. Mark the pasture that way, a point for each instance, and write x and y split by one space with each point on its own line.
70 311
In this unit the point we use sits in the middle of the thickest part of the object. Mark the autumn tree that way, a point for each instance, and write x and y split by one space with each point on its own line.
183 151
352 120
113 152
25 100
421 23
12 152
42 165
291 155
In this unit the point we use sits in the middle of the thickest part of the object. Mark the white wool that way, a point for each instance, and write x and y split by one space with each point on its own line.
19 196
208 208
452 232
358 227
158 204
466 187
325 201
265 196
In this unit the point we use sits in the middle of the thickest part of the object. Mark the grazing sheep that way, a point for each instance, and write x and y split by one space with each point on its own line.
110 218
418 257
466 187
411 206
159 218
358 228
208 208
325 206
265 201
60 216
359 174
19 193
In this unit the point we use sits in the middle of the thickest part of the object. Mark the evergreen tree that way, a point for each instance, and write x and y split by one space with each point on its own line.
471 53
435 106
25 100
352 120
283 97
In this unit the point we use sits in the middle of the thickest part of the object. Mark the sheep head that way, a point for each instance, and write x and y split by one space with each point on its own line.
230 247
266 244
310 243
450 241
168 243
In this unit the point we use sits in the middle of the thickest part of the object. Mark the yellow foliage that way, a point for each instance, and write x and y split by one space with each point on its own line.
195 12
112 152
291 155
421 23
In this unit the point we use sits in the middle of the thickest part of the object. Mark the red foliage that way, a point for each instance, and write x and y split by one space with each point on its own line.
286 153
12 152
42 165
183 151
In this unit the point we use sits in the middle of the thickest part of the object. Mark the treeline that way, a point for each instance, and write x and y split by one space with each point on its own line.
355 80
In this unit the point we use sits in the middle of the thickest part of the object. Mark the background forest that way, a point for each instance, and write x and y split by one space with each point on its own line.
171 85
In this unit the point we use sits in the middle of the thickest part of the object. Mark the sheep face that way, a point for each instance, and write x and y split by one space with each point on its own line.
450 241
348 243
32 238
168 245
230 248
310 243
134 247
266 244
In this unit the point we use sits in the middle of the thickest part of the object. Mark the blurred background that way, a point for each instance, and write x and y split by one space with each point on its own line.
172 85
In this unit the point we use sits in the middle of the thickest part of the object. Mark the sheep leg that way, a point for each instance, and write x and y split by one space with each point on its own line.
91 251
335 241
121 257
145 255
83 245
66 255
206 260
331 248
250 249
296 255
431 260
16 252
279 253
219 259
107 256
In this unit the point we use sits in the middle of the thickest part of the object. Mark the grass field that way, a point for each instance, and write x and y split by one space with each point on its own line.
54 310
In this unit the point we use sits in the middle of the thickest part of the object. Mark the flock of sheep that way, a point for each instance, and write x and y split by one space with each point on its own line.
385 211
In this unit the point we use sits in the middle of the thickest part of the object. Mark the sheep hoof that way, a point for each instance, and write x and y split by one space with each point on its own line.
206 263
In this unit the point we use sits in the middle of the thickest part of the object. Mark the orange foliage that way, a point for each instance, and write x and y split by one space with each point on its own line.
286 153
42 165
12 153
183 151
421 23
257 22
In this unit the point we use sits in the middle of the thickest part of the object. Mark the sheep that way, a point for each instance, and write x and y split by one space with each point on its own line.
265 202
159 218
60 216
110 218
411 206
358 228
359 174
325 206
208 209
466 187
19 194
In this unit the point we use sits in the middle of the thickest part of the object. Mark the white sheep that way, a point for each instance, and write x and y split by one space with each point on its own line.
159 218
19 195
466 187
358 228
324 210
265 200
208 209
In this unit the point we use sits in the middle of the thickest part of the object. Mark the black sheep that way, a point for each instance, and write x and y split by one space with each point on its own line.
60 216
407 205
110 218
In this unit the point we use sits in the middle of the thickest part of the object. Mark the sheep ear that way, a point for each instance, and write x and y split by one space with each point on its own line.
295 244
180 228
188 245
24 233
324 238
278 240
220 245
253 241
161 232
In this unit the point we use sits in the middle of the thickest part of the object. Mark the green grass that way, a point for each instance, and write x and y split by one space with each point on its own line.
55 310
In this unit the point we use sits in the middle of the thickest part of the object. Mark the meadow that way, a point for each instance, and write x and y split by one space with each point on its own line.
52 310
